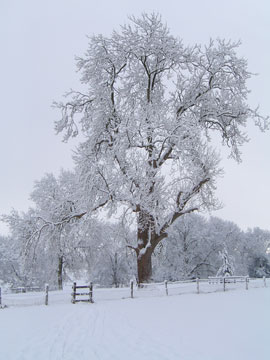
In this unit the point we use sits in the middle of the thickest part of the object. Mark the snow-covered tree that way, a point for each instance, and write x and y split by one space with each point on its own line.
188 251
225 234
193 248
259 266
24 269
113 264
255 252
48 229
227 267
147 112
9 267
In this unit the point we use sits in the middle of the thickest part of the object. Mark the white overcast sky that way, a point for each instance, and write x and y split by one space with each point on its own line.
39 40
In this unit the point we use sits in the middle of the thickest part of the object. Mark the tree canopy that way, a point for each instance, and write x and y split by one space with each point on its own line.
147 112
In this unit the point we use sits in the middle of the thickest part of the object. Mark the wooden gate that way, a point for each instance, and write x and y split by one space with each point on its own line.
88 296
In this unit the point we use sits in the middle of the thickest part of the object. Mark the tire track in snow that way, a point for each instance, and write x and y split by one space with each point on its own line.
122 340
67 335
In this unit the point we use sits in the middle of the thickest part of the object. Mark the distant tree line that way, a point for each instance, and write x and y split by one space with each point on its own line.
50 244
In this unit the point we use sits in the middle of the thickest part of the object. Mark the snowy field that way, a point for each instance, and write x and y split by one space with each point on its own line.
233 325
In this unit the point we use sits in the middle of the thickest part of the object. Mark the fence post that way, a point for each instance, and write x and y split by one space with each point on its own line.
46 294
91 292
198 285
131 289
166 287
73 300
264 283
246 282
224 284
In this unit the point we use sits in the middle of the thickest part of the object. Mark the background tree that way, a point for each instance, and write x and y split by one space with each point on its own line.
188 251
259 266
48 229
55 201
24 270
113 265
193 248
9 262
227 267
255 252
225 234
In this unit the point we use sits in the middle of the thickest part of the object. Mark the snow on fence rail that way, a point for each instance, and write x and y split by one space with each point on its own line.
96 294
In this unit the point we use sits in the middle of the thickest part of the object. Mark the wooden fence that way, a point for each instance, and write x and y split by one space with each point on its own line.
89 294
166 287
24 289
31 296
226 282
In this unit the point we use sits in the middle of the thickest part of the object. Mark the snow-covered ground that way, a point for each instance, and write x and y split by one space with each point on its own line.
234 325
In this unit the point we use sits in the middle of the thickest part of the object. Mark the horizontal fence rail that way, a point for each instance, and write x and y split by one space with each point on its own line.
91 292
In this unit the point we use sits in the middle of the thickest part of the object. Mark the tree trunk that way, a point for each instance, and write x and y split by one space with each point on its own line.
144 265
115 271
147 240
60 272
145 247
